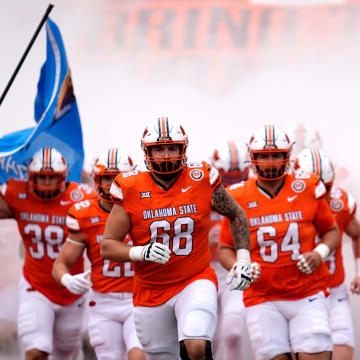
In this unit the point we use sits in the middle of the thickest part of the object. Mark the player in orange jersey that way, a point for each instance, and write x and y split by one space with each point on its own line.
343 206
111 324
286 308
232 161
167 210
49 316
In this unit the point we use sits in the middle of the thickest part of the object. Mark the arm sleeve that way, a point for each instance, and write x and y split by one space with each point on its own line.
324 218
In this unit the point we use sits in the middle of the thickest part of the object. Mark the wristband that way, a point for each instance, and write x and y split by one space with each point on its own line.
357 266
243 255
323 250
135 253
65 279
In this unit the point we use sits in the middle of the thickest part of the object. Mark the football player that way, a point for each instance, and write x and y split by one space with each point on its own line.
232 161
49 316
166 210
343 206
111 322
286 309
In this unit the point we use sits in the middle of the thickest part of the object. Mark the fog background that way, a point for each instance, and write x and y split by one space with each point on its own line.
214 89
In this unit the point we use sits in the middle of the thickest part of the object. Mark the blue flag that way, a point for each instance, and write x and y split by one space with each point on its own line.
56 115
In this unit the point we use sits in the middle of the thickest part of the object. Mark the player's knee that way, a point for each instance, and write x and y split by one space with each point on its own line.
195 349
35 354
232 340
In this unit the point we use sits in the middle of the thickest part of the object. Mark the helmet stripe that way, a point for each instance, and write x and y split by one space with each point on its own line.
316 162
164 132
320 165
45 158
233 155
112 159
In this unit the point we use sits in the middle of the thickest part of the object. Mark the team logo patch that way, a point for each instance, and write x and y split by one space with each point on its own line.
145 194
298 186
336 205
95 220
253 204
76 195
99 238
196 174
22 196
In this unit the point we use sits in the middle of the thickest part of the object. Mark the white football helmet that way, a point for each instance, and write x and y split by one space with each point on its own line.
164 132
304 136
232 161
110 163
47 161
317 162
270 140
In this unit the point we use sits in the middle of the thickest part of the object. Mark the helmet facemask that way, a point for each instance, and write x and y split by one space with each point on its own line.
109 164
168 165
47 162
167 133
47 192
273 169
102 189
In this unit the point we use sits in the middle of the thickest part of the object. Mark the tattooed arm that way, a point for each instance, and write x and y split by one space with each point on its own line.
224 204
239 276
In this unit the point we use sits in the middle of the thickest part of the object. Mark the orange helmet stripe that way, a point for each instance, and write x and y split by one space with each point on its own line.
163 127
233 155
47 157
269 131
316 162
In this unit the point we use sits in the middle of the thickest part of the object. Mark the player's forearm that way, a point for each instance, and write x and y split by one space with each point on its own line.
114 250
226 256
331 238
59 269
240 230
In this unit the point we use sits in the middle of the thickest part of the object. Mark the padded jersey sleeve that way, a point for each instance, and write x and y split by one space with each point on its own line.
351 204
214 176
76 215
116 192
324 218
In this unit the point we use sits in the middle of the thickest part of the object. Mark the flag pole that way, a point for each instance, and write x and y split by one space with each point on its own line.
44 18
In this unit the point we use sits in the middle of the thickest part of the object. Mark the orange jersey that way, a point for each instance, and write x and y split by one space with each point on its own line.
89 218
43 230
282 228
179 218
343 207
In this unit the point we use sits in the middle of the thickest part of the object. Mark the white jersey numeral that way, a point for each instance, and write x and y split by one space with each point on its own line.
269 249
53 236
182 242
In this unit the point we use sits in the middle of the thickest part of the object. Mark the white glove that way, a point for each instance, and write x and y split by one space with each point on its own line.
255 271
77 284
156 252
303 265
239 276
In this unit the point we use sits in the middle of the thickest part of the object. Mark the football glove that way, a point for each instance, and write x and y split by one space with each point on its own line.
77 284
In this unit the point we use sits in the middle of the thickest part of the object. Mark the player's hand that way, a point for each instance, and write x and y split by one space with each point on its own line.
308 262
156 252
239 276
355 286
77 284
255 271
